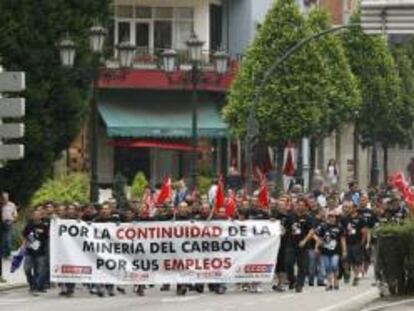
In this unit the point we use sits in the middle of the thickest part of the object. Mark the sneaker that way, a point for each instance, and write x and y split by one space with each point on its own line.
355 281
221 290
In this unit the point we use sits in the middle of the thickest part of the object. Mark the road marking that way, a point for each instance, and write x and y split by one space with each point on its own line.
178 299
392 304
355 298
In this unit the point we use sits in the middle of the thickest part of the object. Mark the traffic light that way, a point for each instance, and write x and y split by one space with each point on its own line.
11 108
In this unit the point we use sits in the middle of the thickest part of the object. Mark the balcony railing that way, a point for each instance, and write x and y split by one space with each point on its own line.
146 58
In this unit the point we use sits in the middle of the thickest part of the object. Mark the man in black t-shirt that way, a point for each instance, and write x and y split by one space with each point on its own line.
356 232
331 243
36 239
299 232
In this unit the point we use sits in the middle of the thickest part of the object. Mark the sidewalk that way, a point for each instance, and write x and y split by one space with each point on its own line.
13 280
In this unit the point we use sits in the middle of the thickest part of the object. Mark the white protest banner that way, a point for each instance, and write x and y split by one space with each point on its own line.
163 252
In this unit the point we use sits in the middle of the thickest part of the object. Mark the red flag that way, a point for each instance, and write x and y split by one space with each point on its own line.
289 169
166 192
264 192
230 205
219 195
399 182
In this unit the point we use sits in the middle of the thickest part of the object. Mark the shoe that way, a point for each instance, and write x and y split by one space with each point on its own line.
328 288
199 288
111 293
221 290
93 291
121 290
311 284
253 289
63 293
291 286
2 280
101 294
181 290
336 287
299 288
278 288
321 284
42 291
347 277
141 291
165 288
355 281
245 287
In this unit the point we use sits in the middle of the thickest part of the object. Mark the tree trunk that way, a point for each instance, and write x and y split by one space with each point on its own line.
385 160
356 153
279 167
312 161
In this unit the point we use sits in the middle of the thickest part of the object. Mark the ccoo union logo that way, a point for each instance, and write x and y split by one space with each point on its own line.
258 268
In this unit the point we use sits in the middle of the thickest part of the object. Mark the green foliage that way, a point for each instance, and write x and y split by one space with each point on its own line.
204 183
65 189
342 97
56 97
381 114
119 194
138 185
395 259
301 96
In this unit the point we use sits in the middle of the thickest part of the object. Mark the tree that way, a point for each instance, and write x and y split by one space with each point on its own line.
292 104
342 97
379 119
56 97
119 187
405 68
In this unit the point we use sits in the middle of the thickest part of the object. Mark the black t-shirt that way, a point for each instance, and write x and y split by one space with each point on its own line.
297 228
368 216
353 229
37 236
330 234
256 213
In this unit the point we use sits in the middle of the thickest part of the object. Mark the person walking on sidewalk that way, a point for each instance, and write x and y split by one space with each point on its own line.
35 239
8 217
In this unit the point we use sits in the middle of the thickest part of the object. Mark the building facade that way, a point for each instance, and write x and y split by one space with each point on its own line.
145 114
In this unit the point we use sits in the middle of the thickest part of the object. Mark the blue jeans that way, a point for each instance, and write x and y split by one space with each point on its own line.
35 268
316 268
6 238
331 263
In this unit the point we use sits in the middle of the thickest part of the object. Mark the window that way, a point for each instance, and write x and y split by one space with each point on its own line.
162 35
152 28
125 11
124 32
166 13
143 12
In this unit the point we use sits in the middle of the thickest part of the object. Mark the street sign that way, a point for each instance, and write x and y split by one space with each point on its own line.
387 16
11 130
12 107
11 152
12 81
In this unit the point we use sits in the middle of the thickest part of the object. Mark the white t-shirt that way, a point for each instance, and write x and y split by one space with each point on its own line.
8 211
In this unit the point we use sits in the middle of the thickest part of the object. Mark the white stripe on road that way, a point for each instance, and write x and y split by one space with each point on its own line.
367 293
392 304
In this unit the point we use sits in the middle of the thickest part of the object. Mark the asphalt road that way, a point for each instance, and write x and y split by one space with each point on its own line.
312 299
395 304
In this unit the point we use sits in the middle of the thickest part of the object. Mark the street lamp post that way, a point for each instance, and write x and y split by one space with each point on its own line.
67 49
195 76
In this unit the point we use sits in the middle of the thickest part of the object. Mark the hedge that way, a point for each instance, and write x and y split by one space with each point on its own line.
395 257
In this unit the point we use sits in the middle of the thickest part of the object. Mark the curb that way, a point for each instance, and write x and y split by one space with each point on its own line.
357 302
5 288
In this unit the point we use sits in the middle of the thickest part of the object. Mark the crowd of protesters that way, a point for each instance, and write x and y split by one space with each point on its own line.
328 236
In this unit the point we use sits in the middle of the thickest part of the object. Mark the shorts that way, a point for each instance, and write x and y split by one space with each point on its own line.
355 254
330 263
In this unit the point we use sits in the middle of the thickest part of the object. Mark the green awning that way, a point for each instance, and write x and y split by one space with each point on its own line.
132 115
